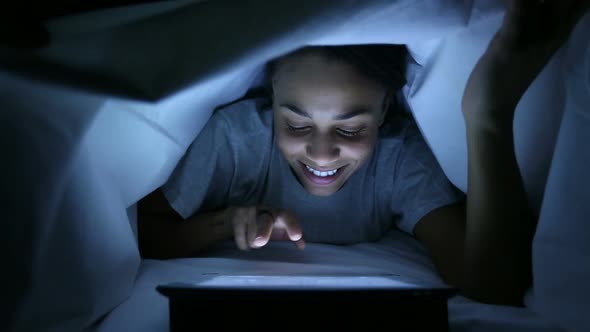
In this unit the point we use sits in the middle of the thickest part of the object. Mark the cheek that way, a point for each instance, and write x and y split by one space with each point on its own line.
358 150
354 149
288 144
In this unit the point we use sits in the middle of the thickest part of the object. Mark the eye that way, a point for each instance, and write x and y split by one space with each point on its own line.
297 130
348 133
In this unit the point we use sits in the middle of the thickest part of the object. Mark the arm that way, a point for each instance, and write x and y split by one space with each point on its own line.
500 225
164 234
483 247
490 257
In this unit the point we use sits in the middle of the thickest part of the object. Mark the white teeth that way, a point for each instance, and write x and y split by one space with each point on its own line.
322 174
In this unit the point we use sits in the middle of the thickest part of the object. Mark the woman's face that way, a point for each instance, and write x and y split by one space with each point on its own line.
326 118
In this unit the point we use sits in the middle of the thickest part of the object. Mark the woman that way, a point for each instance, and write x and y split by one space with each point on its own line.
327 165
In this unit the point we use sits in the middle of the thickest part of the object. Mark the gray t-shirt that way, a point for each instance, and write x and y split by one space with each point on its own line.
234 161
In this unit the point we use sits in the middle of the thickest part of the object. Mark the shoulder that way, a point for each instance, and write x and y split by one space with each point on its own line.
403 152
403 128
245 117
406 137
395 137
249 131
247 126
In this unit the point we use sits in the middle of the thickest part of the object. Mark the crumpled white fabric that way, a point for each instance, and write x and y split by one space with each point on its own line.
142 82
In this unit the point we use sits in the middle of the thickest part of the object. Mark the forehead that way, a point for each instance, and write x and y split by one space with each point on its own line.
315 77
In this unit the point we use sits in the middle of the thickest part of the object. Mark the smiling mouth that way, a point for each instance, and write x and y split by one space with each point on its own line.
321 177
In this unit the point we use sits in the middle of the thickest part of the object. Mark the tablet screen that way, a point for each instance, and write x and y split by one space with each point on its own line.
241 281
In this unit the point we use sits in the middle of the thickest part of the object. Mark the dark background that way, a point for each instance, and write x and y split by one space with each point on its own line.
21 26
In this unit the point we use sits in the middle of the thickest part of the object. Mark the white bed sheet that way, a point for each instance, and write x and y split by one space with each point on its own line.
146 310
112 151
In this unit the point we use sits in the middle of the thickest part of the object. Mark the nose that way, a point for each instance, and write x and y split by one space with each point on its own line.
322 150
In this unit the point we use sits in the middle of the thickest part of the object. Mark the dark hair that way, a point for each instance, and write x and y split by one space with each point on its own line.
382 63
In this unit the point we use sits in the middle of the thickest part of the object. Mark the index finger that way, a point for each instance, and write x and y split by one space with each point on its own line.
264 220
289 222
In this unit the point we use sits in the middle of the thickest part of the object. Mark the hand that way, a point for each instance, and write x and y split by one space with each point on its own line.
255 226
531 33
537 28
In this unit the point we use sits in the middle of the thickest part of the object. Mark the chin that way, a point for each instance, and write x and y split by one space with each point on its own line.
322 191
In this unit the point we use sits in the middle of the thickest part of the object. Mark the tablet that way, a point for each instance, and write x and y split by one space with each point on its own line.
244 301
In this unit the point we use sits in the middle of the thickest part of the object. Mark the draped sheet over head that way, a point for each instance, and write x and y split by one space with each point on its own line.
99 118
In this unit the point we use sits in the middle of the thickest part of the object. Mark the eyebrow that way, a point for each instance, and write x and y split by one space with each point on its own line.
355 112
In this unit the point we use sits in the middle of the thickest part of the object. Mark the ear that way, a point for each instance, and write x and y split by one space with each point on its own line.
387 102
269 90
